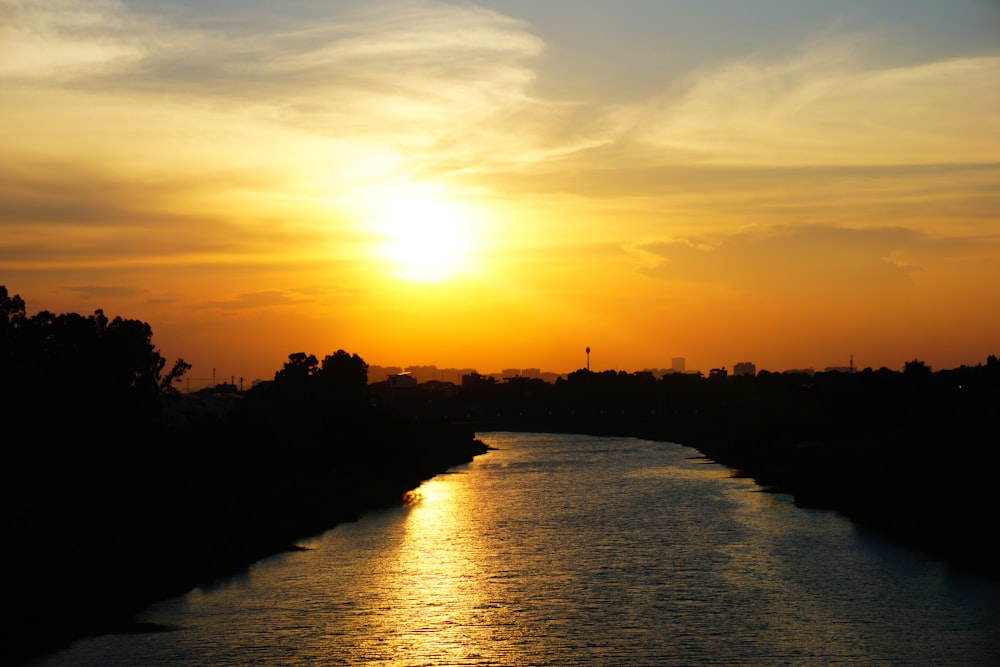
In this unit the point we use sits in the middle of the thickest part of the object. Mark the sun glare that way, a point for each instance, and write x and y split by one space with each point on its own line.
423 235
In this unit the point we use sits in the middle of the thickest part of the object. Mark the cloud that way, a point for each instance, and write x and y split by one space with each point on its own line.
181 139
63 39
327 292
253 300
795 264
866 277
824 107
403 75
106 291
93 218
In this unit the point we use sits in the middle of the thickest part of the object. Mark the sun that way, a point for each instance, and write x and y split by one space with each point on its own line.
423 235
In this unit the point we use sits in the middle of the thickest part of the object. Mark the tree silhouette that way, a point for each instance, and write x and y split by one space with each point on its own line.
70 369
916 368
100 488
175 375
343 378
11 310
298 367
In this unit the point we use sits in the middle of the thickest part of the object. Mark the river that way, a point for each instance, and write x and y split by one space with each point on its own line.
577 550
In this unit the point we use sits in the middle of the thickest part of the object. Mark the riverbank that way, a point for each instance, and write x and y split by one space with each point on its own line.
911 454
917 488
937 501
88 569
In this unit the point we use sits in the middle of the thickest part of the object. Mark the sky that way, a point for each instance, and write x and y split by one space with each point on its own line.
504 184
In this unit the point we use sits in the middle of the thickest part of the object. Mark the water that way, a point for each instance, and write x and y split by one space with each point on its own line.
563 550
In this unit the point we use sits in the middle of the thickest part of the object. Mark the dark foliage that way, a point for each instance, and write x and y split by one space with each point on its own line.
913 453
88 387
108 505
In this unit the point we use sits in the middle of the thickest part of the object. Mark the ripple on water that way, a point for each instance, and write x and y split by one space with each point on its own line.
561 550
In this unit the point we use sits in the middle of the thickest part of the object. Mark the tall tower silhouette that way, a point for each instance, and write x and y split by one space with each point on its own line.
588 358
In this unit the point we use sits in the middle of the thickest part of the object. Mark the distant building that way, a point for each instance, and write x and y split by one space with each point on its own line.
425 373
745 368
182 409
437 389
841 369
455 374
474 379
401 381
678 365
382 373
508 373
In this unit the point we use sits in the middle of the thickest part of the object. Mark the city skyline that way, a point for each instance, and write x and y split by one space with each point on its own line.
432 373
505 183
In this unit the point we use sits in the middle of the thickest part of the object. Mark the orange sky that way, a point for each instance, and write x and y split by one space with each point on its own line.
503 184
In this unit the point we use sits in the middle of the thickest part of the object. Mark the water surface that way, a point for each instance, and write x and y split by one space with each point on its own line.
565 549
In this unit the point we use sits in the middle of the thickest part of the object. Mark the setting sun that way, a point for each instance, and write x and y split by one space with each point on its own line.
423 235
387 177
367 233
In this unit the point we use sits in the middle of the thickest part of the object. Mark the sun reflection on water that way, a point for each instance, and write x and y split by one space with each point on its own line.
568 550
439 578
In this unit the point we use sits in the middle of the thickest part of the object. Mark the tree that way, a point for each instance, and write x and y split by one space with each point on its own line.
343 377
298 367
11 319
81 362
916 368
174 376
11 310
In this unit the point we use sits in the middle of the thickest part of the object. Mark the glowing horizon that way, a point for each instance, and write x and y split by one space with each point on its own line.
498 185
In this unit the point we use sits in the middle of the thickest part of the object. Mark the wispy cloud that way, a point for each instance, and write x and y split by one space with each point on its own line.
178 139
404 74
106 291
60 40
253 300
825 107
313 295
803 264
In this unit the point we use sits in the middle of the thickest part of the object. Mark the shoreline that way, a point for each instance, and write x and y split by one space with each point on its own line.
110 601
932 509
914 511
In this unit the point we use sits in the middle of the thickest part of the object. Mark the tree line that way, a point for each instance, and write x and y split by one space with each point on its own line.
108 505
912 452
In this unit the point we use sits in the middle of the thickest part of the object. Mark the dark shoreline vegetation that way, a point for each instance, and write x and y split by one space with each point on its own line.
112 501
912 454
117 494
